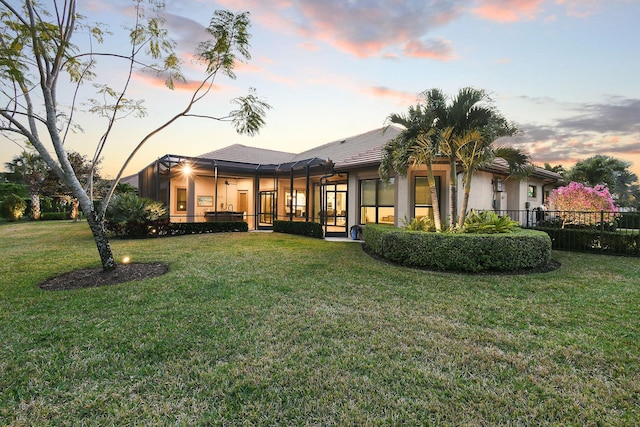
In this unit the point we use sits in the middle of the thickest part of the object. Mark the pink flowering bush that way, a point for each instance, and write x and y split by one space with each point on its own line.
574 201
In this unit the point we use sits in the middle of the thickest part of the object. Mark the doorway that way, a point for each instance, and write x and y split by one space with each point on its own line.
333 216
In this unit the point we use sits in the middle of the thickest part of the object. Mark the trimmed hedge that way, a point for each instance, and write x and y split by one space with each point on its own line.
54 216
164 228
593 240
523 249
309 229
180 228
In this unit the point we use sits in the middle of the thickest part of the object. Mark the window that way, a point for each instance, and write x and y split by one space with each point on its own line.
422 197
532 191
181 200
297 204
267 207
377 201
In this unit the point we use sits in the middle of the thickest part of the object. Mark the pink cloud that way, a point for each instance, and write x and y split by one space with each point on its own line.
508 10
438 49
159 81
403 98
363 29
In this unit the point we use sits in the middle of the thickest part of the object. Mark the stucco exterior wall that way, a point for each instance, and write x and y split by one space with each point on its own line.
482 195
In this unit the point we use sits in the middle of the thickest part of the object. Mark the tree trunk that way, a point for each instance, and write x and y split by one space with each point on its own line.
453 192
35 206
102 242
74 209
96 225
465 200
434 199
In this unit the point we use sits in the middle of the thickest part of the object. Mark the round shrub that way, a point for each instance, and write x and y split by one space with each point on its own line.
522 249
13 207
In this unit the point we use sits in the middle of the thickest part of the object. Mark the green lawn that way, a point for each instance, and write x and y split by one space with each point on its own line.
273 329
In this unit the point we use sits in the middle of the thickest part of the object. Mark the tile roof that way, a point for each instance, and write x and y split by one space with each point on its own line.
364 149
242 153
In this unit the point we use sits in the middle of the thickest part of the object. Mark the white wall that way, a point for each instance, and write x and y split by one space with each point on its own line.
481 195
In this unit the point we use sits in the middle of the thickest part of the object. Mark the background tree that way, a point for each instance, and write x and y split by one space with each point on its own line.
88 174
611 172
556 168
30 169
574 200
38 53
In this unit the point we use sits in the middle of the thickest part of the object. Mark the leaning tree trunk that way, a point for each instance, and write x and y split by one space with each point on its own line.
97 228
434 199
465 200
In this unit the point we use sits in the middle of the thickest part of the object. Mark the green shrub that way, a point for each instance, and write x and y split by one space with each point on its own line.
522 249
181 228
54 216
629 220
13 207
487 222
419 224
133 216
309 229
593 239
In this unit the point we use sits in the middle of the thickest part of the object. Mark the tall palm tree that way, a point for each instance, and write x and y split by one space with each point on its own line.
30 168
416 145
470 109
475 149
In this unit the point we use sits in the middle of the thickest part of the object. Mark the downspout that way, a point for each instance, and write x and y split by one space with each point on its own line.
544 185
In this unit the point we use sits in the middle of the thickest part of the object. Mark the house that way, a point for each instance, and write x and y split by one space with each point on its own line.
336 184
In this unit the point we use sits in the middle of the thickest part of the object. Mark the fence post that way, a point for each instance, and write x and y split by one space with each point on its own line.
601 230
528 225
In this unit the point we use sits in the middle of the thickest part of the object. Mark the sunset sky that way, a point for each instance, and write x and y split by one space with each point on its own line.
565 71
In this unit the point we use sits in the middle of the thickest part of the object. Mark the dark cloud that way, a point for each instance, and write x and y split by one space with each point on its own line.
622 117
612 129
187 32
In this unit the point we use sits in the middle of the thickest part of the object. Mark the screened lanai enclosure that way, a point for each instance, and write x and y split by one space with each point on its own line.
198 190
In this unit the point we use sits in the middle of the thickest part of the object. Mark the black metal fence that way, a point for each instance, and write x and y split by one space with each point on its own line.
614 233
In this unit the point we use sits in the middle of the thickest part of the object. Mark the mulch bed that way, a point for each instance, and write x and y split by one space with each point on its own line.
93 277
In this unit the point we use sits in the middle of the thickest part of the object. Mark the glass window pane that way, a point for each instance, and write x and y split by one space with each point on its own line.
368 192
422 212
368 215
423 194
181 199
385 215
386 193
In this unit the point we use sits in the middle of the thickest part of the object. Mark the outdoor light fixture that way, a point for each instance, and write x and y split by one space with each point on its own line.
126 259
186 169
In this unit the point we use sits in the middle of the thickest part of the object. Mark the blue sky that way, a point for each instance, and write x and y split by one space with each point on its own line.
565 71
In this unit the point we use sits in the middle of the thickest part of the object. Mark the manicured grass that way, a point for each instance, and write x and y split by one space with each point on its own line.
275 329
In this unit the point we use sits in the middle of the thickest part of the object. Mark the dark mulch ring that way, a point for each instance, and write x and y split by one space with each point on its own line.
550 266
92 277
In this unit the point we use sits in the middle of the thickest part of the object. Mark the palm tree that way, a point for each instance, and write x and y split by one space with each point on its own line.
30 168
475 149
470 109
416 145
